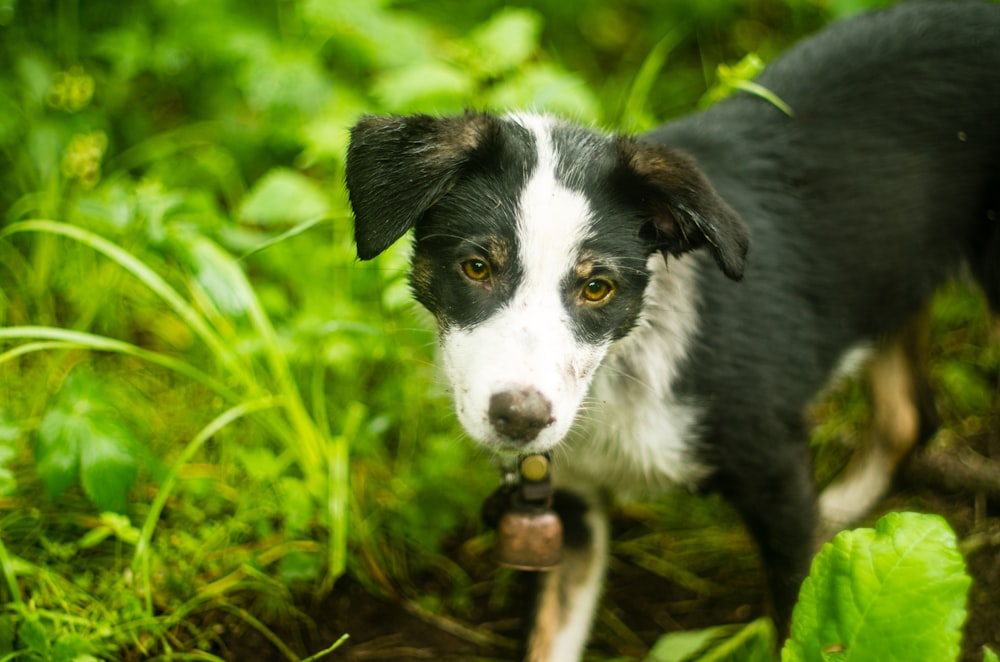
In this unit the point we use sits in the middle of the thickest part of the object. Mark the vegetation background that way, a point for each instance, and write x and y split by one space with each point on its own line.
221 436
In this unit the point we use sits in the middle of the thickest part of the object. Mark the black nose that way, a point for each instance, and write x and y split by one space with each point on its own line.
520 414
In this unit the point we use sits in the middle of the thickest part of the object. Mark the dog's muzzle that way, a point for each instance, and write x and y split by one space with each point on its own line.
520 414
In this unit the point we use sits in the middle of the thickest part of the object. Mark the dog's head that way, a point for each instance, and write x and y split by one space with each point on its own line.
532 239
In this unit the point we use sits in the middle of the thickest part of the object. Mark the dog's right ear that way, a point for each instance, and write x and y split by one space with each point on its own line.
399 167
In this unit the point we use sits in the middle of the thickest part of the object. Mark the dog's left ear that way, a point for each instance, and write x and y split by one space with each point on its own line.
398 167
685 210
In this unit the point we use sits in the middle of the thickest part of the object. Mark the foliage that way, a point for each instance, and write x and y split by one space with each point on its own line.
850 605
189 343
83 438
210 411
860 584
754 642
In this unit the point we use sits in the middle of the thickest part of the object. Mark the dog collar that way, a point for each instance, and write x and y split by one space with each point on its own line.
529 531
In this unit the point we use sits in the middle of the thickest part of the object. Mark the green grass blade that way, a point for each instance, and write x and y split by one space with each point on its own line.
759 90
54 337
326 651
635 112
32 347
287 234
9 575
223 353
141 558
324 463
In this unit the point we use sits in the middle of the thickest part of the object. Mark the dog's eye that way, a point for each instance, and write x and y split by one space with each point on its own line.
476 269
597 290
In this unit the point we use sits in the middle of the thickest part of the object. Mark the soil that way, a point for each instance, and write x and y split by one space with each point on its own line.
639 605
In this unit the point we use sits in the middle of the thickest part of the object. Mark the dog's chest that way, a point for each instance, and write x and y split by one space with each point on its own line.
635 448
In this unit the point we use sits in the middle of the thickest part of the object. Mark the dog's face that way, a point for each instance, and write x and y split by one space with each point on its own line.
532 239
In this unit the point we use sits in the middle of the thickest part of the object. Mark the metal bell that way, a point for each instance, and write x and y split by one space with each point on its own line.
529 538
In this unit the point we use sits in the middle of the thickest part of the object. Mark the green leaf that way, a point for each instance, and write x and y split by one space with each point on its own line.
300 567
296 504
896 592
546 88
36 77
284 197
684 645
285 81
753 642
260 463
989 655
8 628
424 85
70 647
57 455
507 40
10 432
217 273
968 392
108 464
33 635
82 437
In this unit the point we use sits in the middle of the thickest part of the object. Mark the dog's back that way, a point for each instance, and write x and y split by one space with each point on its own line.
883 182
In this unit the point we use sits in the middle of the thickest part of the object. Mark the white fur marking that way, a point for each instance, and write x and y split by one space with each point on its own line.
850 364
583 598
848 500
530 343
633 434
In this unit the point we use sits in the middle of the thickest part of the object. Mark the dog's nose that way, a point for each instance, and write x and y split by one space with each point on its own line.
520 414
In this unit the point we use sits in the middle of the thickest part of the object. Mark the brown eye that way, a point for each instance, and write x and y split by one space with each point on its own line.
476 269
597 290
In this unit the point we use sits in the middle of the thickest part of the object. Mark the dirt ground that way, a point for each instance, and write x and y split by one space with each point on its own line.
640 604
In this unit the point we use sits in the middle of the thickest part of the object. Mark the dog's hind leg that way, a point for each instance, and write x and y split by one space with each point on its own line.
902 414
567 596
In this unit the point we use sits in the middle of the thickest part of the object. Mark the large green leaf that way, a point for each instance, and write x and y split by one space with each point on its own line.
896 592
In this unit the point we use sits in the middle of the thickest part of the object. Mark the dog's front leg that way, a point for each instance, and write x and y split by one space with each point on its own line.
567 596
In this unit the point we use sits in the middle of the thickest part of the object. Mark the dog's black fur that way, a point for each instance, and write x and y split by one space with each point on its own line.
882 184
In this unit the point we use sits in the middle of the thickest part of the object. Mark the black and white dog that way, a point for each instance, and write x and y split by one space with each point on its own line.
596 298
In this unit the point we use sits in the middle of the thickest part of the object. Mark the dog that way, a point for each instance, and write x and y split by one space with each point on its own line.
660 310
